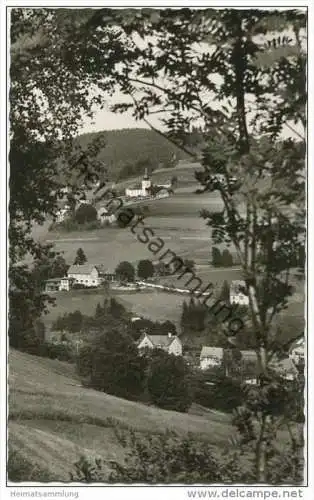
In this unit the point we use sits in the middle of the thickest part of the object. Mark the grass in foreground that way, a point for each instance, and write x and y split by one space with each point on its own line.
53 421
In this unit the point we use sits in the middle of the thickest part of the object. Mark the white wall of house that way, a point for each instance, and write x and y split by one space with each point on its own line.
146 185
91 279
175 347
145 342
240 299
134 193
64 284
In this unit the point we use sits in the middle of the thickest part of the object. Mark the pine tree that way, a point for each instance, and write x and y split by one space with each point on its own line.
80 258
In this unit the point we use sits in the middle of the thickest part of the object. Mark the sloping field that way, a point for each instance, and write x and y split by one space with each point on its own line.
53 421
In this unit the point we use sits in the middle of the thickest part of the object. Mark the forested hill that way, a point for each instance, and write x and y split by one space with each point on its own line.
129 151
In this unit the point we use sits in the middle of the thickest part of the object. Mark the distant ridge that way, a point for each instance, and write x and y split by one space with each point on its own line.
129 151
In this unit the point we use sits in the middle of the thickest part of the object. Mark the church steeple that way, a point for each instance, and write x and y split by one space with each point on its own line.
146 177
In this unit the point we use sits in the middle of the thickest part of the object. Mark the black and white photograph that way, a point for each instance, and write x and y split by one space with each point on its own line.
156 247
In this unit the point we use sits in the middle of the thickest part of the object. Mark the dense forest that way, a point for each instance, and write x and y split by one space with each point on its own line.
127 152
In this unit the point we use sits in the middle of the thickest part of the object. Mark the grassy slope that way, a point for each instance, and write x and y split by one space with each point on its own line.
54 421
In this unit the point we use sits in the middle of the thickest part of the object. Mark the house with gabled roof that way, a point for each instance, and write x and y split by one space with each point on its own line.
85 274
169 343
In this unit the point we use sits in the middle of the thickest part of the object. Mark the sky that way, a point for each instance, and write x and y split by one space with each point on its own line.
106 120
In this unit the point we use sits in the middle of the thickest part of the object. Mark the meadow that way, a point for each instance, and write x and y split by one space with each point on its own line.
176 221
53 420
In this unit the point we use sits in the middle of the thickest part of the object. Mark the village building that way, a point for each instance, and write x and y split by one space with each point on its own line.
104 215
296 351
86 274
66 284
169 343
53 285
211 356
58 284
238 293
140 190
105 273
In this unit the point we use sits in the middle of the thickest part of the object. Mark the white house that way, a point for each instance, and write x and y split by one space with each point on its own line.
66 284
86 274
104 215
211 356
238 293
169 343
58 284
141 190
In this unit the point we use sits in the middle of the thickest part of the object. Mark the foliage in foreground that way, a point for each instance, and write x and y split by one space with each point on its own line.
168 459
20 468
169 381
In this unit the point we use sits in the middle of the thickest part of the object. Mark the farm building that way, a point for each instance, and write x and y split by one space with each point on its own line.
66 284
58 284
105 273
86 274
238 293
53 285
211 356
169 343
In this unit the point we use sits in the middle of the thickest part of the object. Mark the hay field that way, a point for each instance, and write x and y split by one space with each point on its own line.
53 421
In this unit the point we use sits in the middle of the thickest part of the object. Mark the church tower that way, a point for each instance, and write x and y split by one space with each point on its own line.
146 183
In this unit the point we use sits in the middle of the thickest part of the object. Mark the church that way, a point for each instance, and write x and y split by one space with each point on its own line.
142 189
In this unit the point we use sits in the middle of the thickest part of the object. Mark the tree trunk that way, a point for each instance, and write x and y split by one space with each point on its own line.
260 454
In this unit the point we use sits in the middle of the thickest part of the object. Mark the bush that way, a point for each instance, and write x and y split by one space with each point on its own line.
85 213
165 458
225 394
169 382
63 351
145 269
125 271
111 363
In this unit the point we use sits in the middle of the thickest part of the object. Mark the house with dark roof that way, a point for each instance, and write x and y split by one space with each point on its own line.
106 273
169 343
